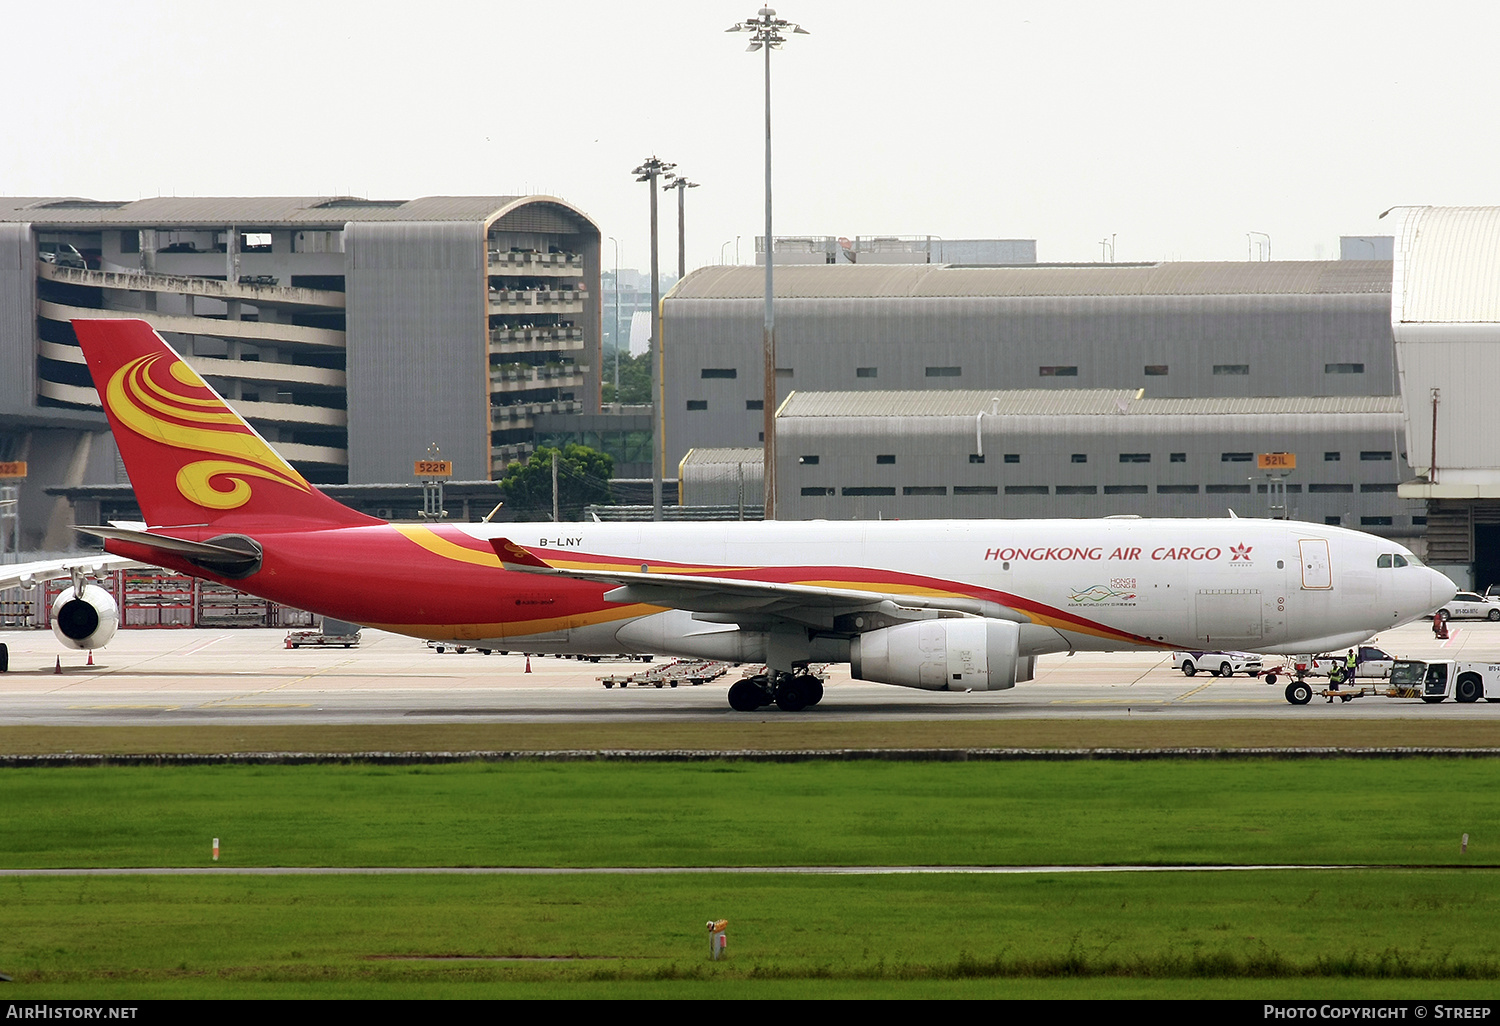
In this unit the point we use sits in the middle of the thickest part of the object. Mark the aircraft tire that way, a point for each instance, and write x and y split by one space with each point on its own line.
790 697
1188 669
1298 693
812 689
745 696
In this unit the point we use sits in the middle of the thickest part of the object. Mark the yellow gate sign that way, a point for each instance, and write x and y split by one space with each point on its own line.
13 469
433 468
1277 461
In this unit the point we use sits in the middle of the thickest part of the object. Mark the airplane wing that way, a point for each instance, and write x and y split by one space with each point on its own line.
13 575
733 600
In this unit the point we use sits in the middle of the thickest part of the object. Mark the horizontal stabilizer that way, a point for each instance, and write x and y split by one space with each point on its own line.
228 555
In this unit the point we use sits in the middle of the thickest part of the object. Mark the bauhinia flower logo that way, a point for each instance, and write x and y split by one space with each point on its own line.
1239 553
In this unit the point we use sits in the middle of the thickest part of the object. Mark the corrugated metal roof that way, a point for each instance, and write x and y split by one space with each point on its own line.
706 456
1065 402
965 403
259 211
817 281
1448 265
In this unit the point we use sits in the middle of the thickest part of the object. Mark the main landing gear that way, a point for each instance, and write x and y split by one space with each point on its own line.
789 692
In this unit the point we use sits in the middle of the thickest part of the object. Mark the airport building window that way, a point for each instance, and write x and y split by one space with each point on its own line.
1343 368
976 457
1026 490
1327 489
1135 457
1226 489
808 461
925 490
1077 489
867 490
130 242
1332 457
866 372
1375 521
1058 372
755 404
1176 489
885 458
1419 521
719 372
783 372
976 490
1135 489
817 491
1234 457
1379 486
1080 457
697 404
1375 455
1156 370
1177 457
1012 457
944 372
1231 369
1333 520
1291 489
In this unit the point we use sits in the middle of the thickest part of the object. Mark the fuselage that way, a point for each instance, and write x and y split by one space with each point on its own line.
1111 584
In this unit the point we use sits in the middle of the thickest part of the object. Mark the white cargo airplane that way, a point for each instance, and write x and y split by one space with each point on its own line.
942 605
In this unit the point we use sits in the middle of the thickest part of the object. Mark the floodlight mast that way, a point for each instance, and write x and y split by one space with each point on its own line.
768 32
681 184
648 172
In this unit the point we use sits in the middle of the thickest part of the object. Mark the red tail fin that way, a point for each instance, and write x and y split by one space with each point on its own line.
192 459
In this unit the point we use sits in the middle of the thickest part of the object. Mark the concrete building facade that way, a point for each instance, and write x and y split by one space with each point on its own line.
351 333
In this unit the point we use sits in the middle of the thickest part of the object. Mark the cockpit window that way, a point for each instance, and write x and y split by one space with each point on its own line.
1412 560
1400 559
1384 560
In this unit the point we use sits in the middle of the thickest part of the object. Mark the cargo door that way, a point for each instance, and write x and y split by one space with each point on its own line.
1229 617
1317 567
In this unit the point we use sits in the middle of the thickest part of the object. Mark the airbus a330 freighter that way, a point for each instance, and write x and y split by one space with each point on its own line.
942 605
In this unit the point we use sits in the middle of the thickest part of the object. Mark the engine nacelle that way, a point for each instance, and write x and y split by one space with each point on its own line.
85 621
968 654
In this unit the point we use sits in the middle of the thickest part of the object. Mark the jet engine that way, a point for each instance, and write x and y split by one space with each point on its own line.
85 621
961 654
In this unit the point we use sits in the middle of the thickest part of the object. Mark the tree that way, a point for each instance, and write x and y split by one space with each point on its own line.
635 380
582 478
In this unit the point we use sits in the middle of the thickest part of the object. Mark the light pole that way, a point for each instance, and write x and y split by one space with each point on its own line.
649 171
722 249
682 185
766 33
616 335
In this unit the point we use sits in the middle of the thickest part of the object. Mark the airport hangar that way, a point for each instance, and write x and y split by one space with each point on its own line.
904 398
351 333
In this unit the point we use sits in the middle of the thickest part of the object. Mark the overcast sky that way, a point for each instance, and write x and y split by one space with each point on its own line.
1175 127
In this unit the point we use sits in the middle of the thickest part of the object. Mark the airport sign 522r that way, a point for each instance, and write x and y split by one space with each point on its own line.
434 468
12 469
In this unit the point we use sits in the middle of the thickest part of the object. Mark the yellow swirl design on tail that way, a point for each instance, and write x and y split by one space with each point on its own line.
197 425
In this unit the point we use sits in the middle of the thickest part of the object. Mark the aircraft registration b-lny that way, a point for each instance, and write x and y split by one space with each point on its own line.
962 605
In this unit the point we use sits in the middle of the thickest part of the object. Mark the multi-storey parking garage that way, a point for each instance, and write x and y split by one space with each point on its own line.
351 333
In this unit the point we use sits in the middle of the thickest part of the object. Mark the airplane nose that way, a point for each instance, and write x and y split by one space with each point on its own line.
1441 589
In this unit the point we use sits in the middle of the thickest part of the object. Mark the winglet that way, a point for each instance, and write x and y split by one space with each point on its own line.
514 557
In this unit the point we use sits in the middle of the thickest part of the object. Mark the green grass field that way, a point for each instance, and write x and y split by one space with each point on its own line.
1388 932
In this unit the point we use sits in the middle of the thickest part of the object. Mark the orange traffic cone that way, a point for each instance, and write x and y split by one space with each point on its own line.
91 657
58 668
528 663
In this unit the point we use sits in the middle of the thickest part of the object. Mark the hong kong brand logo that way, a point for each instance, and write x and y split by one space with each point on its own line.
1239 553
